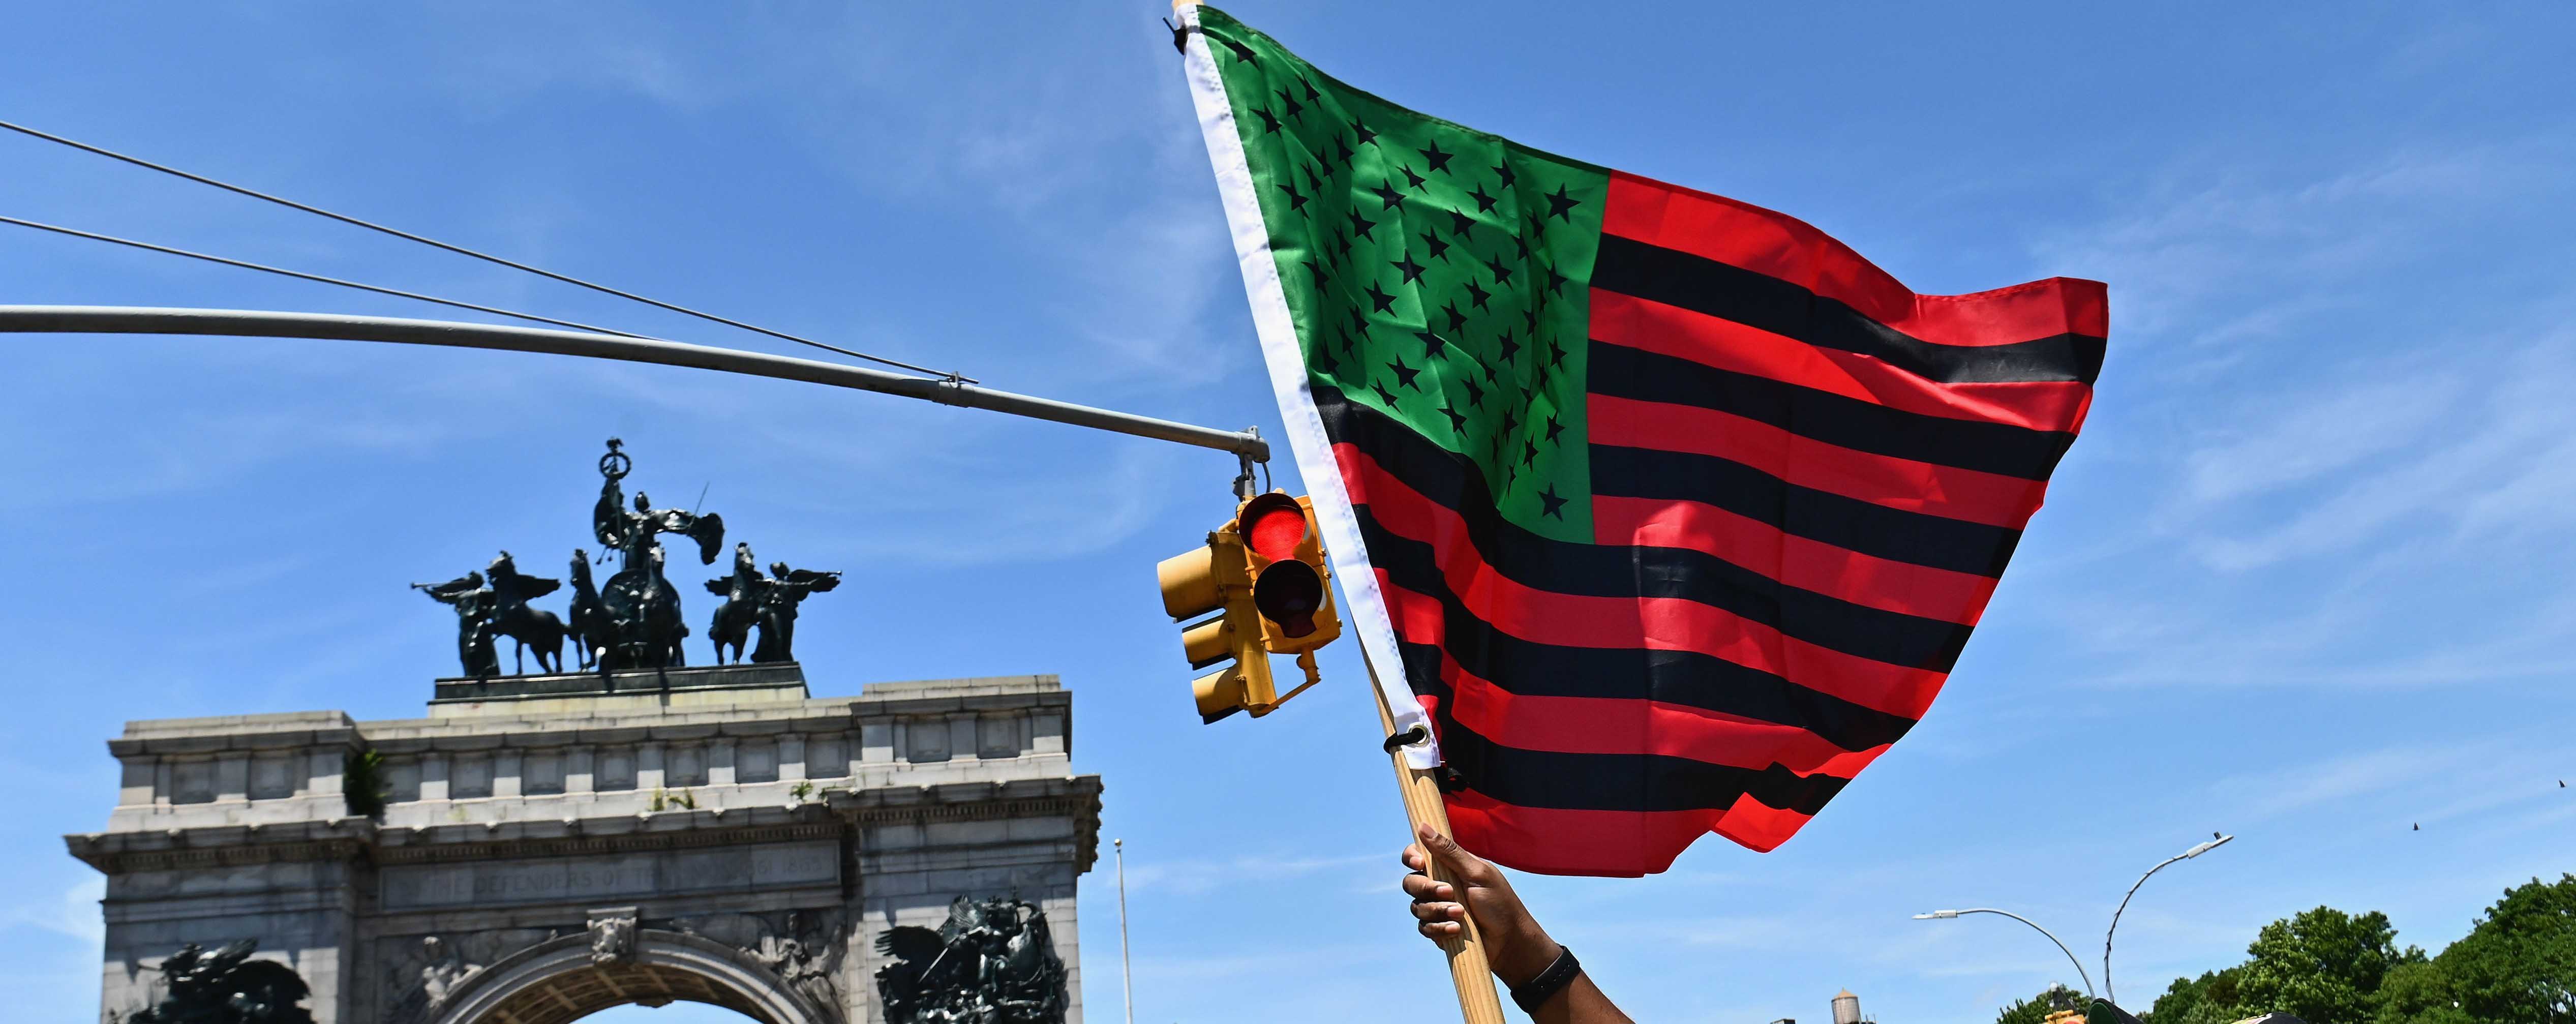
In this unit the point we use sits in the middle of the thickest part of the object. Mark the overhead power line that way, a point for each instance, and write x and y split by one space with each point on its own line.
463 251
283 272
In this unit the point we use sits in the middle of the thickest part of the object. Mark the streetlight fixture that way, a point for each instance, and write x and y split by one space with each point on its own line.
2215 841
1944 915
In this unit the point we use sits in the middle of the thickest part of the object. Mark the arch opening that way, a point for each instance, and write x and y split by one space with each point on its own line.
678 1012
560 981
574 994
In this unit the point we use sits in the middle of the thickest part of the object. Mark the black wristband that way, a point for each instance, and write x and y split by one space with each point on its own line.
1535 992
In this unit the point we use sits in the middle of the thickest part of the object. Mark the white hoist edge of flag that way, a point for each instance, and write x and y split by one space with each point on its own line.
1365 605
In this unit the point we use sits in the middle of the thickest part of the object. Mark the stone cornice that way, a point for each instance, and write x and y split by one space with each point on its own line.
223 742
1076 796
342 839
118 853
582 845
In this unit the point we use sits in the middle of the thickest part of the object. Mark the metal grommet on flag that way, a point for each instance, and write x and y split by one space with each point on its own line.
1406 738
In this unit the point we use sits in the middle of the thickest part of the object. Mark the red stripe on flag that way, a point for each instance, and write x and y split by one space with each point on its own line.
1653 623
1946 491
1775 244
1612 725
1667 330
1805 564
1623 844
1663 624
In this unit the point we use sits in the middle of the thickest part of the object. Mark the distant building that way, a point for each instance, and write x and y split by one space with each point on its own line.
1847 1008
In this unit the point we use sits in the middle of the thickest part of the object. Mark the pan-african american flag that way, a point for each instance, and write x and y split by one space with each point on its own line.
1667 513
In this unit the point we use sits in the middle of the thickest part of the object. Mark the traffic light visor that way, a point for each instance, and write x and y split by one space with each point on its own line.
1208 642
1289 593
1219 693
1189 583
1272 525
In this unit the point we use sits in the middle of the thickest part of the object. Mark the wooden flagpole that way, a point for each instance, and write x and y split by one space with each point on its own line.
1422 806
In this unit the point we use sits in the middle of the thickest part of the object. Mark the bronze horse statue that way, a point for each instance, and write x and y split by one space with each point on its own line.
742 591
590 627
529 627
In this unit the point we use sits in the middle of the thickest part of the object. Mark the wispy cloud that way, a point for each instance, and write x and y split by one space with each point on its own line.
72 913
2208 254
2332 467
1202 876
2409 784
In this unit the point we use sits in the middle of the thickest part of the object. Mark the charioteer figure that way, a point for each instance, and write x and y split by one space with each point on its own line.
643 608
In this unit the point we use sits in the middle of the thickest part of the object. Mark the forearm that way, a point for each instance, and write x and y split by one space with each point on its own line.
1581 1003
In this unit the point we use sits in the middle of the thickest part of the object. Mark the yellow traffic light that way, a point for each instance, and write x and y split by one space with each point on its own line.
1264 578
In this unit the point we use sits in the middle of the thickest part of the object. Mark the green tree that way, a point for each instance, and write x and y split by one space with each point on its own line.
2035 1009
2420 993
2517 965
2208 999
2322 965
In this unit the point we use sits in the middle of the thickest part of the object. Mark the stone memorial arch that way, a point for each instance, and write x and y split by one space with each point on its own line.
542 847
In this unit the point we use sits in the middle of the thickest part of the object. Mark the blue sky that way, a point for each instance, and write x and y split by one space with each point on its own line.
2304 579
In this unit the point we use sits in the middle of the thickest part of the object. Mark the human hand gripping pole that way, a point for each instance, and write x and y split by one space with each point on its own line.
1461 940
1456 893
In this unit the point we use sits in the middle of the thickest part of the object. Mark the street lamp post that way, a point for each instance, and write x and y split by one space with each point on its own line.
1944 915
1126 968
2215 842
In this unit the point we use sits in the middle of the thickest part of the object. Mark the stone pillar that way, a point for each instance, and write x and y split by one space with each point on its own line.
961 737
322 772
232 778
791 756
509 772
579 769
433 775
648 766
140 780
720 761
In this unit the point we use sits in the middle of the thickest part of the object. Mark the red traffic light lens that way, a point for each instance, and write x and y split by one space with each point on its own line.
1289 593
1273 525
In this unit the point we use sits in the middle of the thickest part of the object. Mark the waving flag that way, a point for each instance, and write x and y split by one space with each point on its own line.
1672 511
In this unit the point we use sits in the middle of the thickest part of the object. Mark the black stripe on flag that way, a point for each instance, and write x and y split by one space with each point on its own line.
1848 523
2001 448
1521 666
1601 570
1683 678
1702 285
1623 782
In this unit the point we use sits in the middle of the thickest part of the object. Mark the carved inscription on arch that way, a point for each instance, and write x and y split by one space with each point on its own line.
600 879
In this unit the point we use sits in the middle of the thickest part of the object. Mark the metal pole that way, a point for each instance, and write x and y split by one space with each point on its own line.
2133 891
2034 926
1126 968
403 331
